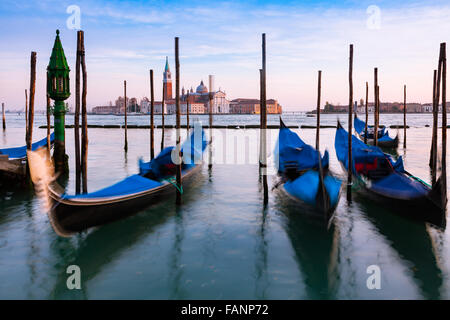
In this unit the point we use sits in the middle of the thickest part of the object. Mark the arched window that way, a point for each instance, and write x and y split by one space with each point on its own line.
60 84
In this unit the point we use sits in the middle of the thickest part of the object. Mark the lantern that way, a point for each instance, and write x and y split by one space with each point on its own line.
58 89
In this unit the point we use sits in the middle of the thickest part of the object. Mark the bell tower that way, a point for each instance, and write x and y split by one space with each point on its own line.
167 81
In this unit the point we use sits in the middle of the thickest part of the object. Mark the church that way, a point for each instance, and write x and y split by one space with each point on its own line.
197 101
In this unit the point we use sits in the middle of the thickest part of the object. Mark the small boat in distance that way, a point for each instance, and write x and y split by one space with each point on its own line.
13 160
384 140
377 175
304 174
70 214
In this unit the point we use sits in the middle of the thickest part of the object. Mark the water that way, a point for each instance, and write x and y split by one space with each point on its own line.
221 243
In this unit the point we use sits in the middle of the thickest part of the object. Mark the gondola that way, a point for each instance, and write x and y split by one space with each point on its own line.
13 160
378 176
384 140
70 214
304 173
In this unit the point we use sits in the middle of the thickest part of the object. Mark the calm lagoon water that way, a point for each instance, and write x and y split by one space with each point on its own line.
221 243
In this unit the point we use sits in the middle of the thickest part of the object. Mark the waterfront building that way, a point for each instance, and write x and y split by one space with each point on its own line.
252 106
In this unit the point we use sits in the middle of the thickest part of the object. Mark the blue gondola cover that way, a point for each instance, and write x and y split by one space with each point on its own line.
395 184
130 185
21 152
290 149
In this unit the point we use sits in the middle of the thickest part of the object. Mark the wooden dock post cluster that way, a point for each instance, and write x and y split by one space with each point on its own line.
263 122
84 133
178 136
76 121
80 102
350 118
440 83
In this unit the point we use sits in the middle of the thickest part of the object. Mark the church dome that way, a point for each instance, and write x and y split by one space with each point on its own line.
202 88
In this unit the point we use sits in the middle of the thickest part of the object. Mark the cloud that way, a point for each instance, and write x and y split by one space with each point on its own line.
125 39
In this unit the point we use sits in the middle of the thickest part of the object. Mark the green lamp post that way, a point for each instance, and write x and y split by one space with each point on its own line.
58 89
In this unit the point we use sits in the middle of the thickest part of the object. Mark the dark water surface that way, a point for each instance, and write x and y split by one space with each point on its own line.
221 243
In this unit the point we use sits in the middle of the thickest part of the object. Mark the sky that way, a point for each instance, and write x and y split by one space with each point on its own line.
125 39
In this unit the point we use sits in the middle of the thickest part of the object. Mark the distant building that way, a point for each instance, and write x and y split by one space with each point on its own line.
144 105
201 96
385 107
198 101
120 104
133 105
105 109
167 82
252 106
194 108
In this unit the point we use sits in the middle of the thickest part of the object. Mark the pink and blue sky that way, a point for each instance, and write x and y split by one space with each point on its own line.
124 39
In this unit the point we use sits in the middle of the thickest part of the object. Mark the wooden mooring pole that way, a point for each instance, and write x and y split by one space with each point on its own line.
31 100
433 151
367 112
3 114
162 116
211 102
84 129
26 112
177 101
126 125
152 113
263 139
76 122
263 107
404 116
437 98
375 112
187 113
319 80
350 118
444 124
48 124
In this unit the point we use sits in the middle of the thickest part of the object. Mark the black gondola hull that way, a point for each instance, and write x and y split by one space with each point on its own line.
68 217
391 144
428 208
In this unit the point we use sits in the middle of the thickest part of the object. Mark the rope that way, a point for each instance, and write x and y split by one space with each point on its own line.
173 181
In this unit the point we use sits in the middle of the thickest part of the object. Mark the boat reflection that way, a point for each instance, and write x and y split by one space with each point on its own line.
412 241
94 250
316 249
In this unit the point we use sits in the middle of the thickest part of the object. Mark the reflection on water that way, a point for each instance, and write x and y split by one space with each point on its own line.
175 267
222 242
412 242
315 248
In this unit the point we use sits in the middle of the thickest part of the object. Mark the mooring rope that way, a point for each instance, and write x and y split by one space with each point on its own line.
173 181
